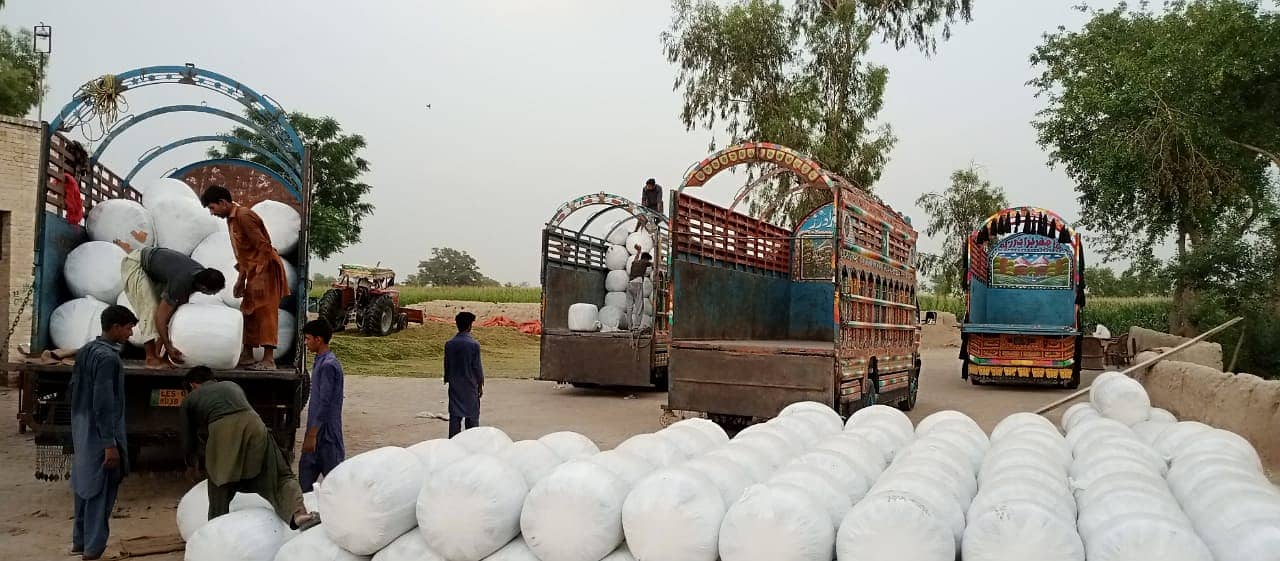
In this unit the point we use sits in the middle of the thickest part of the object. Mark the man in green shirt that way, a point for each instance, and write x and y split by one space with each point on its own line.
239 454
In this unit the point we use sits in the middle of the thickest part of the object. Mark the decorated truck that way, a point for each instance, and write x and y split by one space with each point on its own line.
574 271
763 316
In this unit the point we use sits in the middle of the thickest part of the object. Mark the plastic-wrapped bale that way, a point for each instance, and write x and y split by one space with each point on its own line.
941 500
368 500
759 465
193 509
805 427
436 454
575 513
315 545
958 445
948 473
137 338
617 234
76 322
615 258
617 300
629 467
623 553
1123 399
1146 536
642 239
653 449
730 478
769 442
532 458
691 441
412 546
939 419
1107 446
1052 444
1096 516
647 288
483 440
612 319
208 335
215 252
283 223
1020 530
93 269
584 317
471 509
1162 416
673 515
167 188
828 420
1257 540
253 534
121 222
180 223
824 490
851 478
1180 433
1094 428
894 526
1101 381
883 413
616 281
707 427
772 523
515 550
860 452
1020 421
1221 442
570 445
883 438
1076 414
1053 497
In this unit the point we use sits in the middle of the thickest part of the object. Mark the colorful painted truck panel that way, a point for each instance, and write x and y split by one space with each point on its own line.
764 316
1024 287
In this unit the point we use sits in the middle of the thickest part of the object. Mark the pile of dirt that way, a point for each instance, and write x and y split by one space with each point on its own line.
519 313
944 333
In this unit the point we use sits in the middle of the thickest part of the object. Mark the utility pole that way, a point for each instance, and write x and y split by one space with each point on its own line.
42 44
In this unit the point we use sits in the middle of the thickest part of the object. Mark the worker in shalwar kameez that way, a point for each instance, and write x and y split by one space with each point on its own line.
322 447
464 375
262 281
98 432
239 454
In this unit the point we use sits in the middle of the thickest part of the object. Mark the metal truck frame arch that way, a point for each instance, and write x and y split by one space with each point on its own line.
610 201
273 174
294 185
128 122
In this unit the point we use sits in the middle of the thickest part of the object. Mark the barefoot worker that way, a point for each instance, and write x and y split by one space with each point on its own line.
261 283
239 455
157 281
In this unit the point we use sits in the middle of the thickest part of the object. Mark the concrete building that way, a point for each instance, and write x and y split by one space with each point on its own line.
19 175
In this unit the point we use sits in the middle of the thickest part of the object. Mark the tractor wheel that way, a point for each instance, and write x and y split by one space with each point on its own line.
330 309
380 318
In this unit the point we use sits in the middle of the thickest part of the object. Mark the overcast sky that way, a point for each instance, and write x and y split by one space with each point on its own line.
533 102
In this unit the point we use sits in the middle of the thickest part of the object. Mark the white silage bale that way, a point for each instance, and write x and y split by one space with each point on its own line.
254 534
193 508
436 454
731 479
570 445
824 490
76 322
807 428
315 545
1222 442
882 437
642 239
1125 400
122 222
629 467
947 474
617 300
208 335
774 435
1019 490
93 269
1077 413
610 318
864 455
1091 428
1017 421
646 322
1185 476
1258 540
167 188
1174 437
584 317
616 281
623 553
1236 510
1051 443
768 445
1216 498
1053 483
615 258
941 500
575 513
929 423
1106 446
956 446
774 524
471 508
283 223
368 500
1148 431
531 458
712 430
181 223
137 338
1146 536
673 515
828 421
617 234
1162 416
515 550
894 526
881 411
215 252
691 441
755 463
653 449
1085 474
412 546
483 440
1120 503
1096 492
1102 381
647 287
1018 531
852 480
1014 458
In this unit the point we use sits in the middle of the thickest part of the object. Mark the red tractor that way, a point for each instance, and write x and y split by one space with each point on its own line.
367 297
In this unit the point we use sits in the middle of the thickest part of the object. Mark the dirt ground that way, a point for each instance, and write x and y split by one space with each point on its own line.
381 411
519 313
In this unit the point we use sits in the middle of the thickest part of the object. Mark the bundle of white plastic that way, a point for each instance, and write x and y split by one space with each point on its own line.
1024 508
471 509
76 322
584 317
1120 397
283 223
315 545
1218 478
412 546
209 335
1126 511
436 454
254 534
180 222
193 509
93 269
368 500
121 222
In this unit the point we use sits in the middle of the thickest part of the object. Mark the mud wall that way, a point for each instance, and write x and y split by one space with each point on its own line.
1203 353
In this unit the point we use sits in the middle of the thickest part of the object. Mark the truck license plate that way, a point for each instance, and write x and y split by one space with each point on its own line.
167 398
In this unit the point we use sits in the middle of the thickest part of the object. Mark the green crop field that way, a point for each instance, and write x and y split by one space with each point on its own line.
1118 314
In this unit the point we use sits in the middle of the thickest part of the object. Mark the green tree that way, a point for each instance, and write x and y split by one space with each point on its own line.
954 214
449 267
338 204
1169 123
796 74
321 279
20 72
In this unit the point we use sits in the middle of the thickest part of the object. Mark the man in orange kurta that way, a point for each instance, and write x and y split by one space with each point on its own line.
261 283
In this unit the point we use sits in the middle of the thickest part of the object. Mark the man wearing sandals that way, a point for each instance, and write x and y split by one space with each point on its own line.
261 282
239 453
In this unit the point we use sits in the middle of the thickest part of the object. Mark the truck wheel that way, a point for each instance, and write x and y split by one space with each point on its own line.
913 389
330 309
380 318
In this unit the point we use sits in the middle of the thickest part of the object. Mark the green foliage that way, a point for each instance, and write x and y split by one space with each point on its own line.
796 75
338 206
1118 314
954 214
322 280
449 267
20 71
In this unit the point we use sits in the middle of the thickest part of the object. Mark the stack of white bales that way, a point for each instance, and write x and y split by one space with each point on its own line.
619 256
1024 508
170 216
915 511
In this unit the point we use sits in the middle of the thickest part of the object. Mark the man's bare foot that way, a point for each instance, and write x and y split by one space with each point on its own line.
305 521
157 364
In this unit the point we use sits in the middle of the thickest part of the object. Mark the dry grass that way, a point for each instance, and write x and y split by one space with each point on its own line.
418 352
498 294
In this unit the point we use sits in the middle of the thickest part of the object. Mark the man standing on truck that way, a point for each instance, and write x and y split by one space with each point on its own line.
262 282
239 454
322 448
101 457
157 281
651 196
464 375
635 288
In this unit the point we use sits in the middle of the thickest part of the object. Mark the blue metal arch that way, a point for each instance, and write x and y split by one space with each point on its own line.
273 174
77 112
128 123
294 185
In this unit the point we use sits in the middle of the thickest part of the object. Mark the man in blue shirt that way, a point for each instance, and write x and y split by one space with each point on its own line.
322 448
464 375
98 432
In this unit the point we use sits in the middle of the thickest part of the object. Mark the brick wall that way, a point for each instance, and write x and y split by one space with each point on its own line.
19 165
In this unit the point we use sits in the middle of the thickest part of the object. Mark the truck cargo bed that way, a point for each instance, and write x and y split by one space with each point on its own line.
786 347
750 378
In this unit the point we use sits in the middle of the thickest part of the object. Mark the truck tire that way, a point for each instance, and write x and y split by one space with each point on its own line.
380 319
330 309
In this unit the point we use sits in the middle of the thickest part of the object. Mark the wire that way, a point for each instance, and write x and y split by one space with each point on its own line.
104 99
